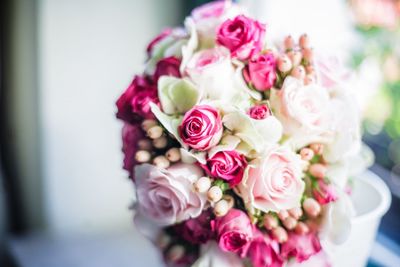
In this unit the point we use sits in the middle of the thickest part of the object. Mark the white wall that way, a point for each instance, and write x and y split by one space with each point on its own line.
89 51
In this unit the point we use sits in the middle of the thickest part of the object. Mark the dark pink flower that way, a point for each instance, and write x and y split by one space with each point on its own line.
130 136
227 165
201 127
196 230
134 104
324 192
259 112
264 251
234 232
157 39
260 71
243 36
168 66
301 246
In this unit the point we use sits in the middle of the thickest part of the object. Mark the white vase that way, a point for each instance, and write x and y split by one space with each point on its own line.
371 198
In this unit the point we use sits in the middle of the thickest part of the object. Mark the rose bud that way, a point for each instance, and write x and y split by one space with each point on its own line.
142 156
270 221
318 170
288 43
280 234
221 208
306 154
214 194
290 223
311 207
202 185
259 112
324 192
302 247
161 162
160 142
284 64
155 132
260 71
173 154
302 228
304 41
296 212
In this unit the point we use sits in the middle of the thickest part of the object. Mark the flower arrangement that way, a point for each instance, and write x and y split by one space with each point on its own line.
239 149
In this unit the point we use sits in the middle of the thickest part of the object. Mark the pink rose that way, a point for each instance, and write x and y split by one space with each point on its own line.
259 112
301 246
264 251
157 39
274 182
201 127
324 192
243 36
130 136
234 232
260 71
168 66
134 104
167 196
227 165
196 230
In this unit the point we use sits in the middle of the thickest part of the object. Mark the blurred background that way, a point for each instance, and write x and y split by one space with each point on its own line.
64 197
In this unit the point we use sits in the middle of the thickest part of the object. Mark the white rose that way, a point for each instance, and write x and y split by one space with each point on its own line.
213 256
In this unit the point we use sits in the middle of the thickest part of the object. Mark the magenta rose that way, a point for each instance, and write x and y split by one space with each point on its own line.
201 127
227 165
302 247
259 112
134 104
130 136
234 232
196 230
157 39
260 71
243 36
264 251
168 66
324 192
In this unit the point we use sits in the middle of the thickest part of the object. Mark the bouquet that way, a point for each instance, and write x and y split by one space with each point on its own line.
239 148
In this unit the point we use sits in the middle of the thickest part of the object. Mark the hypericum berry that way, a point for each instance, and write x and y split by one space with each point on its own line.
317 148
290 223
306 154
309 79
311 207
296 212
173 154
288 43
147 124
176 252
270 221
142 156
318 170
160 142
202 185
283 214
308 54
144 144
284 64
230 200
214 194
163 241
299 72
161 162
280 234
221 208
304 41
155 132
302 228
295 57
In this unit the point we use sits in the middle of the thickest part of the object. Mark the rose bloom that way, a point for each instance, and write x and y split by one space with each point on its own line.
301 246
167 196
201 127
211 70
213 256
260 71
274 182
324 192
234 232
259 112
134 104
301 106
157 39
168 66
196 230
130 136
243 36
264 251
227 165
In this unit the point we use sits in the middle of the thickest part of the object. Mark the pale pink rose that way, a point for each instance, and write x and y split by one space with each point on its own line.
209 16
264 251
167 196
227 165
301 107
302 247
201 127
379 13
260 112
168 66
211 70
234 232
324 192
243 36
274 182
260 71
